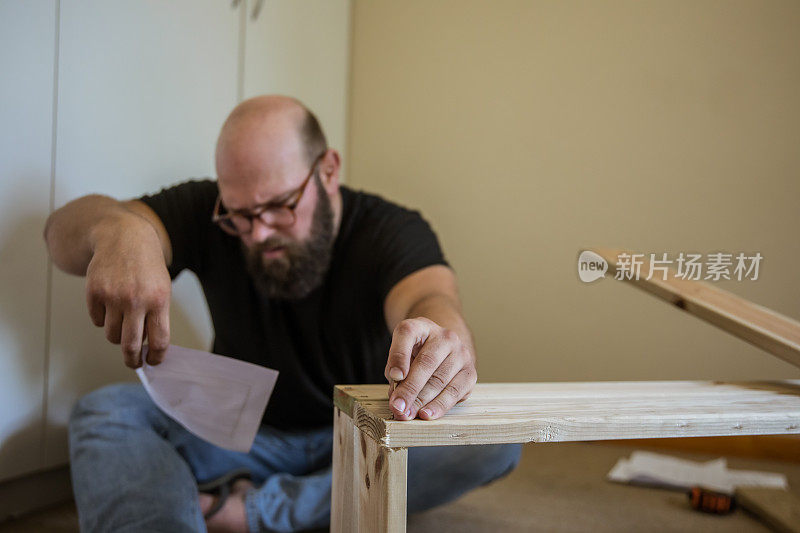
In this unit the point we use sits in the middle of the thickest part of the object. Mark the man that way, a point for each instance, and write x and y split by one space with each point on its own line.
323 283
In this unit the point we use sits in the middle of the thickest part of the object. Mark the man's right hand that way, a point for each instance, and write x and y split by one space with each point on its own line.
128 289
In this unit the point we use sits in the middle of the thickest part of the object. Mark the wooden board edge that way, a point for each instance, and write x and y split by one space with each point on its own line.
778 508
371 425
768 341
543 432
343 400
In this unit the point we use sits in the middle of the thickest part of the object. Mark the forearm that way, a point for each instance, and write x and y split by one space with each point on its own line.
73 231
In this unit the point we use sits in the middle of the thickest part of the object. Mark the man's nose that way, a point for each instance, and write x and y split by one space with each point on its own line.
260 231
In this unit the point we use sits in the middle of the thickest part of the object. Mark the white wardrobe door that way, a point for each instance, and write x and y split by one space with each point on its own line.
143 89
302 48
27 52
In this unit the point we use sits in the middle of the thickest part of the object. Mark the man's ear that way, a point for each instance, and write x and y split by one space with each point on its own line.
329 170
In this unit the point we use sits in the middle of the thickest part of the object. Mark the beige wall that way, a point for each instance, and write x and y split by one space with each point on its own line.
525 131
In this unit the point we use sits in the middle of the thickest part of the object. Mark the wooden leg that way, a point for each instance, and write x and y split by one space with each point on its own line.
369 482
381 487
344 503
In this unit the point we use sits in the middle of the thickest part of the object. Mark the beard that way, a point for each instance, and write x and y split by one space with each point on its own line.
303 265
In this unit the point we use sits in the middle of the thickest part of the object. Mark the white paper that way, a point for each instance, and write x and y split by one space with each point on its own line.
646 468
217 398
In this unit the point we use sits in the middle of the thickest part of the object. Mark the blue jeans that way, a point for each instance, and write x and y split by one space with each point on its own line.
136 469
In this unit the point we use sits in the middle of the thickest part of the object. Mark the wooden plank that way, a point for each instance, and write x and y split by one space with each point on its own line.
558 412
369 482
345 395
780 509
381 487
344 503
762 327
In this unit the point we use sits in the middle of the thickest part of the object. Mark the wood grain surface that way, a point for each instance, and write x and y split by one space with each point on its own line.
583 411
758 325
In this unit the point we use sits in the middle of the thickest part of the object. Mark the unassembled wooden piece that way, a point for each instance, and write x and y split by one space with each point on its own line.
771 331
780 509
369 463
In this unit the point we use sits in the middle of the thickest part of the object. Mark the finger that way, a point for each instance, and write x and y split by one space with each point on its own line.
458 389
157 325
97 311
113 324
443 375
430 356
407 335
132 331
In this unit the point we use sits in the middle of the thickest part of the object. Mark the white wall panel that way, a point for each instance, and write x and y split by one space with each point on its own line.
301 48
143 90
27 51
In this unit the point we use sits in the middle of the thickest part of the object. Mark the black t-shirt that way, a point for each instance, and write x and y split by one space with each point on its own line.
335 335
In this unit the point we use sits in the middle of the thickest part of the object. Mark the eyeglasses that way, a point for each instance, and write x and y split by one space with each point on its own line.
278 215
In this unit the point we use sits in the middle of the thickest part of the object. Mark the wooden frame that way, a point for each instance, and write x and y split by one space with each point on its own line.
370 449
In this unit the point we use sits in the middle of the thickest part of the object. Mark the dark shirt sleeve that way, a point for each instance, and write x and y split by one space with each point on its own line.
405 243
185 210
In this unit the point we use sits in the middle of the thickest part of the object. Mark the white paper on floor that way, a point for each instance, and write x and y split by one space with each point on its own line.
217 398
656 470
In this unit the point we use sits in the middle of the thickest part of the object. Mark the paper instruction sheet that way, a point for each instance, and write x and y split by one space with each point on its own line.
217 398
647 468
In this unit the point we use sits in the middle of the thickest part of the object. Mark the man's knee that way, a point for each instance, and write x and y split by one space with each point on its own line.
440 474
504 458
111 402
489 462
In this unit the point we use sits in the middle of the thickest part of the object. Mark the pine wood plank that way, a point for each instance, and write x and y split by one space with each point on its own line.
381 487
369 482
344 502
559 412
780 509
762 327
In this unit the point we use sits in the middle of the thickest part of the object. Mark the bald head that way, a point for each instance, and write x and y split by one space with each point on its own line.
267 136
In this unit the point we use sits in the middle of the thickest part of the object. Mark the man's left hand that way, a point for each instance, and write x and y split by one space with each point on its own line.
435 369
